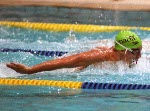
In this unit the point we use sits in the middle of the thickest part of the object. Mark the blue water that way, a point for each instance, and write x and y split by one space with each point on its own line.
16 98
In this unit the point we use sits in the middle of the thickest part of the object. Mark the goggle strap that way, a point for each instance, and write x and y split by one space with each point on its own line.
126 51
124 47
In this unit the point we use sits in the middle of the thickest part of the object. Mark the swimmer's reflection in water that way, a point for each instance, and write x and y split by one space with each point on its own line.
125 49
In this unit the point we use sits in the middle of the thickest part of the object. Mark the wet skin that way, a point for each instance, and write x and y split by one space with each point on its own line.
80 61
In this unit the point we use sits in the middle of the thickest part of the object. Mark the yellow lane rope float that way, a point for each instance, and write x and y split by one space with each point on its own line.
73 85
68 27
27 82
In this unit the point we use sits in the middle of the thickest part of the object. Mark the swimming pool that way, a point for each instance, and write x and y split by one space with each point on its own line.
54 98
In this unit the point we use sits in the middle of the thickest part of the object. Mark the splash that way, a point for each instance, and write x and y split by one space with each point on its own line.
6 72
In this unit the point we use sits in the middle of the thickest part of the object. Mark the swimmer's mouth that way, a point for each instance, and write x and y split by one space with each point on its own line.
134 61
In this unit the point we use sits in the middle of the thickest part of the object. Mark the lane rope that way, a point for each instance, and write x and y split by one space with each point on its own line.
36 52
73 84
67 27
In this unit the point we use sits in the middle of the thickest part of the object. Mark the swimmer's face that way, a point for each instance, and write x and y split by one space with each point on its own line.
135 53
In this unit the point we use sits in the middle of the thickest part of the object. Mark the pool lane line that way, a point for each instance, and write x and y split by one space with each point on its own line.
36 52
67 27
73 84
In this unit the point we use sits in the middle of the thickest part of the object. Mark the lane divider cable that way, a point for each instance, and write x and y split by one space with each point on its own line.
36 52
73 84
59 27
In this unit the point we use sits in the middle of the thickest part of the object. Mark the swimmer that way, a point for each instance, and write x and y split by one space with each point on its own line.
127 48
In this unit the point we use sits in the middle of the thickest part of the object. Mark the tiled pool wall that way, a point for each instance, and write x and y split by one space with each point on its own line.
74 15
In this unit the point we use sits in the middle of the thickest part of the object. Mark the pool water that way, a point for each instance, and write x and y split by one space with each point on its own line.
37 98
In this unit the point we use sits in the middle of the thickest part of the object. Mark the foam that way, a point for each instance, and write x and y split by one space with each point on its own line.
6 72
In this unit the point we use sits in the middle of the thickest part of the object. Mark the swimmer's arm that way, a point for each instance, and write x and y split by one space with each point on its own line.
77 60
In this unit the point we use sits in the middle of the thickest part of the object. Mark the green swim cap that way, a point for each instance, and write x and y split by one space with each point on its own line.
128 39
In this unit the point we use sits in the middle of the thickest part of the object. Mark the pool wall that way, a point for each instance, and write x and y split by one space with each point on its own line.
90 4
74 15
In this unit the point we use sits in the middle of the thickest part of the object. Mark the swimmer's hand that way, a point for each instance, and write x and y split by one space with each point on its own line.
20 68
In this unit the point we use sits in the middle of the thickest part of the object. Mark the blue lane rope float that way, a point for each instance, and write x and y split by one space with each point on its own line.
35 52
114 86
73 84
